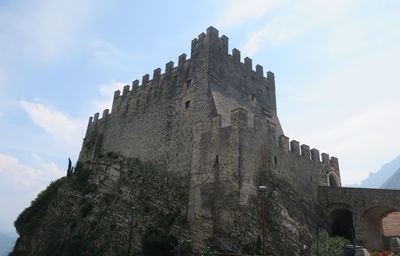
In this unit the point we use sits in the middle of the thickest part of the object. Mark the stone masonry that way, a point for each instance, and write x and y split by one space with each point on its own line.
211 118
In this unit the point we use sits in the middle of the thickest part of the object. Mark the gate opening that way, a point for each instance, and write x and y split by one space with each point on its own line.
342 224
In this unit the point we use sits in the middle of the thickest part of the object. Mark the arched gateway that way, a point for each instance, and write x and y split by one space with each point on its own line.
357 213
341 223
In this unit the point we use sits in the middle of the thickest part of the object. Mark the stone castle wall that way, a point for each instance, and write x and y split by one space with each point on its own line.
152 121
213 119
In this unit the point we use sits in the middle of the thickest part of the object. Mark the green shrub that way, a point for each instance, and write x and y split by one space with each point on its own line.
81 174
80 180
113 227
89 188
72 222
112 155
258 245
86 208
206 252
30 218
185 247
77 245
329 246
156 242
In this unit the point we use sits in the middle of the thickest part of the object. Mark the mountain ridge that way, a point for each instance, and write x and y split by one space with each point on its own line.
393 182
378 178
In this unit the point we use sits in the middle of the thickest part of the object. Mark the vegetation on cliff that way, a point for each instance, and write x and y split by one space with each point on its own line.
328 246
90 212
32 216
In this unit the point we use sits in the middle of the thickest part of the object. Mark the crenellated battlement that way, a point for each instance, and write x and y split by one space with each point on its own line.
247 64
239 118
95 119
156 79
210 41
161 82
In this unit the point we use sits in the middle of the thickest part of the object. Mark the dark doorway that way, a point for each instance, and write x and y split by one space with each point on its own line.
342 224
332 181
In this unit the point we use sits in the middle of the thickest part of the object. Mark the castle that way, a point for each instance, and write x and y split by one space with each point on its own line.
213 119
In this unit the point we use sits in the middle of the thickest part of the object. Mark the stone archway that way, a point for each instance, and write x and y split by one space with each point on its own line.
374 234
369 207
341 223
333 180
390 226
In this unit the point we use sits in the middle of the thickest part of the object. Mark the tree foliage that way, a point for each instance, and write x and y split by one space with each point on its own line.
30 218
328 246
70 169
157 242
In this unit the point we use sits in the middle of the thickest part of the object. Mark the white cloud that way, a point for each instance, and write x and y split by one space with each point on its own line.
106 54
48 169
273 32
19 185
55 122
353 176
44 28
367 139
4 84
348 39
24 177
321 11
240 11
294 19
357 114
106 93
17 173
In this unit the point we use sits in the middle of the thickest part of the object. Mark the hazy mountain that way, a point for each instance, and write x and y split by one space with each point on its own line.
393 182
6 244
376 179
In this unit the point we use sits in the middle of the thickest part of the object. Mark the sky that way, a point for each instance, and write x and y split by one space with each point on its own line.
336 66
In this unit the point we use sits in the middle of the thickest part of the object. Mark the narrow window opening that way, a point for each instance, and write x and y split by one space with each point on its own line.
189 83
216 158
252 97
275 160
187 104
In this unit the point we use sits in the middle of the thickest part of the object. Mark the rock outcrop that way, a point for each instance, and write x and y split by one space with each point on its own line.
90 213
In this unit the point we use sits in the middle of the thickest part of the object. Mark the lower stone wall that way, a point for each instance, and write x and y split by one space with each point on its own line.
367 206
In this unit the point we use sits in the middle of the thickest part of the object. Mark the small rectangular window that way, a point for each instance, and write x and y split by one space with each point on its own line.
189 84
187 104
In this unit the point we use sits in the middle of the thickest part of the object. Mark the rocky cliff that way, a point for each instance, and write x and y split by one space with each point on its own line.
90 213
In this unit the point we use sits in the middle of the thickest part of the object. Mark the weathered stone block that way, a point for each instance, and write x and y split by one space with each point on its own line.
362 252
395 246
